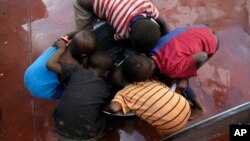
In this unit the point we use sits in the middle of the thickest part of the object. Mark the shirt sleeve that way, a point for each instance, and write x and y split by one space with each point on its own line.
98 8
120 99
67 71
152 11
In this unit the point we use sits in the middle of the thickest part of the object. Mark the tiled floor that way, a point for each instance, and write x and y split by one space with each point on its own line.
28 27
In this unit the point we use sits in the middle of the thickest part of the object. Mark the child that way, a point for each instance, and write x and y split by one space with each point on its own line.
152 101
177 55
180 53
79 112
134 19
43 83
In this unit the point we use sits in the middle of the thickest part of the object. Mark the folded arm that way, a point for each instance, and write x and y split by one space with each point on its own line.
53 63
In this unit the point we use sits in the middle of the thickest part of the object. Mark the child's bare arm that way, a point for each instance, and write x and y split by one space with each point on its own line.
200 58
163 24
114 107
53 63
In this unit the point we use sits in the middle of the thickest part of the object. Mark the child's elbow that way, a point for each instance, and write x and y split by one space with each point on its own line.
114 107
49 65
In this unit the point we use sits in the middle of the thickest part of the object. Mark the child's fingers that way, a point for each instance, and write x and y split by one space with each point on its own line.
65 39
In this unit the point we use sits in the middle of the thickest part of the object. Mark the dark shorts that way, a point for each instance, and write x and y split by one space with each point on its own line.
101 133
189 93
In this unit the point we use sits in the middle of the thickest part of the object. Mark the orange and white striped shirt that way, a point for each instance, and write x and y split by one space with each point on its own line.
119 13
155 103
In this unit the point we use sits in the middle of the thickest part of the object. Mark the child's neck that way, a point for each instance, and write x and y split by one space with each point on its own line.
97 72
67 58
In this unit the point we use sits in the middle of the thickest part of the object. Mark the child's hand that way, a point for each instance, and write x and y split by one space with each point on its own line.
60 43
182 85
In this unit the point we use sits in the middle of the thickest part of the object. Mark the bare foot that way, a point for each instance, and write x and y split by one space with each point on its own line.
195 113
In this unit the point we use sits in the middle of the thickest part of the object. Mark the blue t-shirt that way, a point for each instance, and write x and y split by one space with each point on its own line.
41 82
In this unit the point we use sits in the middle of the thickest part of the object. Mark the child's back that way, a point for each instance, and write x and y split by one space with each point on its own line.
155 103
79 112
174 53
137 20
150 100
43 83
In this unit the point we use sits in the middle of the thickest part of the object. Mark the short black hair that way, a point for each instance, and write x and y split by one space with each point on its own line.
84 42
100 60
137 68
116 78
144 35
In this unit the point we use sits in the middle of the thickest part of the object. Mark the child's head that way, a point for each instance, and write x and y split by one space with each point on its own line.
84 42
138 68
144 35
101 62
117 79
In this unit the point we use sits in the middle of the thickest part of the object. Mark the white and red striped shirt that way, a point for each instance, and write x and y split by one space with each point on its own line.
119 13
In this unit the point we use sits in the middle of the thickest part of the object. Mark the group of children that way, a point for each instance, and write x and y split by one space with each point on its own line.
84 91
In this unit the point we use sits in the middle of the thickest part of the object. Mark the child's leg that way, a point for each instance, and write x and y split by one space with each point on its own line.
83 17
197 107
